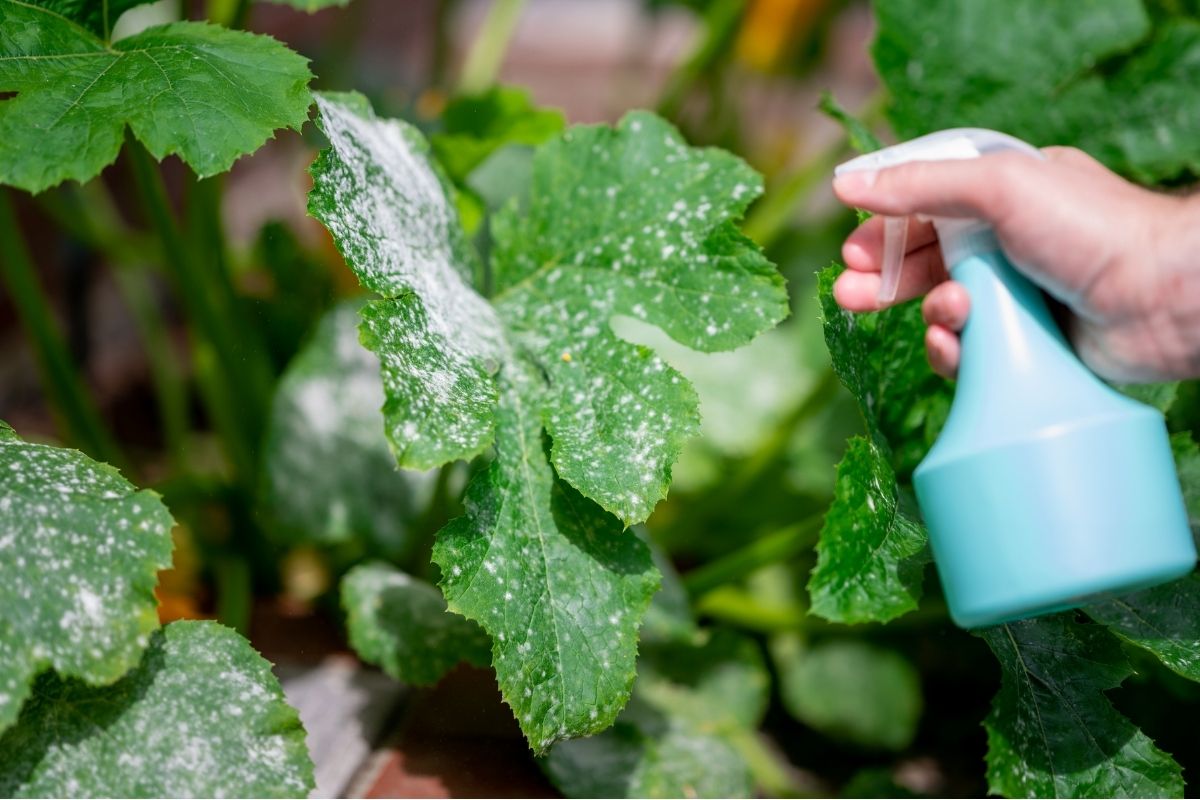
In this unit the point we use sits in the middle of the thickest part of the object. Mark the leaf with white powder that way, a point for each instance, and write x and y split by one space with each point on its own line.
80 549
201 716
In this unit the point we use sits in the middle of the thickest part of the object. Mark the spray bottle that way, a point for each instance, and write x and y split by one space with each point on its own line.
1046 489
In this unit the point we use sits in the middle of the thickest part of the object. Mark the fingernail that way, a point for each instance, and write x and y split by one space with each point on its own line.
853 183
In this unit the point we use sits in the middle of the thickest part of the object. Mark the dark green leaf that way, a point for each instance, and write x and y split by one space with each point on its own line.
1083 73
98 16
872 554
849 690
80 551
1160 395
201 716
1187 464
199 91
401 624
1052 732
326 411
1164 620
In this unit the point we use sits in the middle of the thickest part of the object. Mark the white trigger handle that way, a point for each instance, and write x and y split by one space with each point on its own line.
895 243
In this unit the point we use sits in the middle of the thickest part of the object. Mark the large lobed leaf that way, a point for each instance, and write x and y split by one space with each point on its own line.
202 92
80 549
1092 74
201 716
98 17
1052 732
617 221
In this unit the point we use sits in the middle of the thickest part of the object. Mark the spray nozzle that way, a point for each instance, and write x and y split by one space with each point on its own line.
954 144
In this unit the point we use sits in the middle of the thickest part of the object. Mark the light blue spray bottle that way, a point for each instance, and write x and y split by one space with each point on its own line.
1046 489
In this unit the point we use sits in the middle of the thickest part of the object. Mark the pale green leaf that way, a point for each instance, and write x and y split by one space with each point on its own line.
199 91
80 549
401 624
1052 732
98 16
1164 620
677 738
873 552
849 690
327 411
552 578
439 341
201 716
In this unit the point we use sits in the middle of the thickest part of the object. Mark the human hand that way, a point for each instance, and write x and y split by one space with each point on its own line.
1124 260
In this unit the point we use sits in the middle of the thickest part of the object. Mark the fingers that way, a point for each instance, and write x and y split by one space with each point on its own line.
985 188
863 249
857 289
947 305
944 350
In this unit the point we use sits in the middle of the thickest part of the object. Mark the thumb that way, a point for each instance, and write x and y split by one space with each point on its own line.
985 188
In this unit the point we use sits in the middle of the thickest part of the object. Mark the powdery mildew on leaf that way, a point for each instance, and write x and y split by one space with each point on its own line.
439 341
401 624
205 93
327 411
1052 732
554 580
201 716
628 221
872 554
80 549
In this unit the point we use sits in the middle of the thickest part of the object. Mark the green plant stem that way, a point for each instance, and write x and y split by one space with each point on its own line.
218 356
487 53
721 21
64 385
762 551
88 214
772 215
774 776
436 515
235 594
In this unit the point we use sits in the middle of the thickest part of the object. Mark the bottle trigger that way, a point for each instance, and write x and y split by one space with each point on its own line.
895 241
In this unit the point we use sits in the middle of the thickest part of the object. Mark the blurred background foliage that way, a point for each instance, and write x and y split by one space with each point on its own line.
275 511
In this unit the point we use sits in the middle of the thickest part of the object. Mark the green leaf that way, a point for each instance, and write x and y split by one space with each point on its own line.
552 578
872 554
849 690
201 716
80 550
641 201
1160 395
880 357
1187 465
326 411
475 126
202 92
1164 620
1084 73
1052 732
677 738
401 624
311 6
440 343
98 17
628 221
860 136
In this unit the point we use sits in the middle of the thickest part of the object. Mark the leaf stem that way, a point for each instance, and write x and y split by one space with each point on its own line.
218 355
769 769
487 52
762 551
64 385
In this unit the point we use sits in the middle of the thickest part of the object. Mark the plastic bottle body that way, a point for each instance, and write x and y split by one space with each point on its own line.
1046 489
